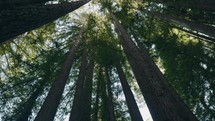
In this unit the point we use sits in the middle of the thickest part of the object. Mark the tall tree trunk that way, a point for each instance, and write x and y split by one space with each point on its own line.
96 105
88 92
208 30
49 107
29 104
163 101
8 4
205 38
110 97
132 105
22 19
78 101
202 5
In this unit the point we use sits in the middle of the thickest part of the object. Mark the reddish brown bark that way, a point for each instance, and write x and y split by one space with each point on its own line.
49 107
132 105
163 101
78 101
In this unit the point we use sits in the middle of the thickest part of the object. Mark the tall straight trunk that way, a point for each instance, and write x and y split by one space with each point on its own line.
110 97
88 92
204 38
8 4
208 30
96 105
27 108
78 101
49 107
132 105
202 5
163 101
25 18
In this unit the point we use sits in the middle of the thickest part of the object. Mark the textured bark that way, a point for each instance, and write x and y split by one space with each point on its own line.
132 105
19 20
202 5
8 4
110 97
88 92
27 108
49 107
78 101
96 105
163 101
208 30
205 38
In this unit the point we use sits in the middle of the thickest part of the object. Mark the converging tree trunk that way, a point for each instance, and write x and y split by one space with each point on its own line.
98 89
110 97
205 29
75 114
8 4
86 108
29 104
132 105
18 20
163 101
201 5
49 107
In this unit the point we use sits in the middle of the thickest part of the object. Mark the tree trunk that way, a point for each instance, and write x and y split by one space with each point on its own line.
49 107
163 101
208 30
78 101
110 97
27 108
201 5
22 19
204 38
8 4
96 106
88 92
132 105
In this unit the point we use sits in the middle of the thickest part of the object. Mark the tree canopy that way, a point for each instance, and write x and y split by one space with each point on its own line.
103 60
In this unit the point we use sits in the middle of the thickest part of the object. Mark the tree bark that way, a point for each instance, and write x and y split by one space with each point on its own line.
49 107
163 101
78 101
110 97
88 92
19 20
96 106
201 5
27 108
8 4
132 105
208 30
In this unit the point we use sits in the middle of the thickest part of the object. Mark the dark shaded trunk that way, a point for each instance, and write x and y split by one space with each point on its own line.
8 4
208 30
204 38
163 101
110 97
27 108
22 19
132 105
49 107
78 101
201 5
86 109
96 105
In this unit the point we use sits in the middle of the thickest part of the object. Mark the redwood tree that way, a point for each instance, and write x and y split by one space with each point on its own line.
163 101
49 107
21 19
